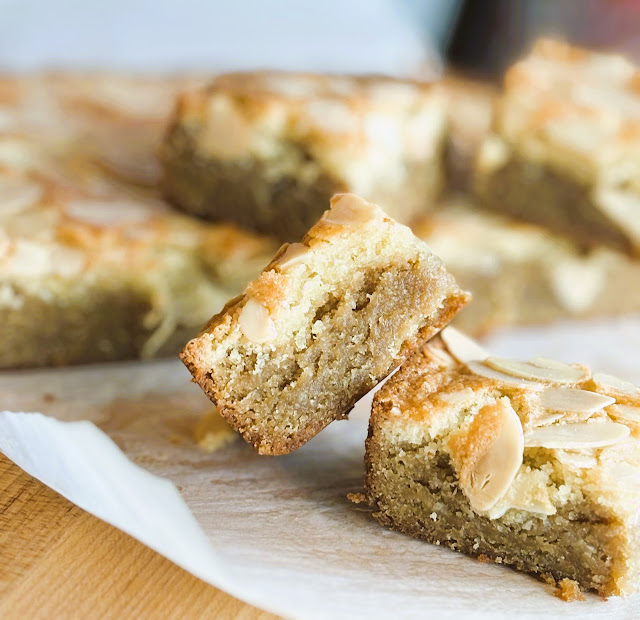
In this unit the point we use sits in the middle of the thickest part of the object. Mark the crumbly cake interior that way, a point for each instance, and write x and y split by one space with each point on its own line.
554 496
326 321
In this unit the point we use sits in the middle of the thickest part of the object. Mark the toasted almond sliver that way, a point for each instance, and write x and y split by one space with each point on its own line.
620 385
255 322
293 254
576 436
480 369
526 370
627 412
547 362
18 194
579 460
486 479
571 399
547 418
350 210
463 348
439 356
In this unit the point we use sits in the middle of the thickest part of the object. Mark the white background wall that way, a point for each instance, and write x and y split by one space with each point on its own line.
390 36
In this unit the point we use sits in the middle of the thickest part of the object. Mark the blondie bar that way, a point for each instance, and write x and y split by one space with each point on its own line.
267 150
93 265
520 274
327 320
565 152
533 464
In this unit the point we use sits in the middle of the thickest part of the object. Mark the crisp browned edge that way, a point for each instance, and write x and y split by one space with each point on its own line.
264 444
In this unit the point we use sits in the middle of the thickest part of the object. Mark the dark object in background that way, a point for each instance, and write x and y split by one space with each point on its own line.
491 34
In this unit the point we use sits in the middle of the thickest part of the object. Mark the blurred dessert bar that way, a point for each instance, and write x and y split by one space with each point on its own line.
566 149
326 320
520 274
94 266
268 150
534 465
470 106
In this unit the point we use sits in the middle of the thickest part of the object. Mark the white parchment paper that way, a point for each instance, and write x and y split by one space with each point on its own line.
277 532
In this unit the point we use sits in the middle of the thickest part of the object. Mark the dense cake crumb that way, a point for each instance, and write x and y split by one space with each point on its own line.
569 591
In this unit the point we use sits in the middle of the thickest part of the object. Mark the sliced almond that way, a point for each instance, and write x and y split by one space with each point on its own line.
255 322
17 194
440 356
488 457
293 255
619 385
463 348
547 362
106 213
627 412
526 370
546 419
576 436
579 460
480 369
350 210
574 400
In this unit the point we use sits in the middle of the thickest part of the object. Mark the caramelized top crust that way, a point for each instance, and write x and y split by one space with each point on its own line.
564 433
577 109
356 128
71 204
274 303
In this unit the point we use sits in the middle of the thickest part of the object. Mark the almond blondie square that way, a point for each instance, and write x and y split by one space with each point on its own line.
565 151
327 320
94 266
267 150
520 274
535 465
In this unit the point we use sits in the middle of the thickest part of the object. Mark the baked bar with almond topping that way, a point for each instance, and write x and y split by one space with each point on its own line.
520 274
326 320
565 152
267 150
469 106
93 265
535 465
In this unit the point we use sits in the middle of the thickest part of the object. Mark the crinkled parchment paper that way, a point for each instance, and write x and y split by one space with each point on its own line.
278 532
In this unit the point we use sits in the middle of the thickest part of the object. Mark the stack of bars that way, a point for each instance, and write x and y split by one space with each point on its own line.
506 187
124 226
528 195
527 198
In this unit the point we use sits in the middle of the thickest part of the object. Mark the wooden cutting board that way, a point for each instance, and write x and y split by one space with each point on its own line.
58 561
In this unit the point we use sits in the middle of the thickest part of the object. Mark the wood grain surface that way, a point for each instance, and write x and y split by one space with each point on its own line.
58 561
